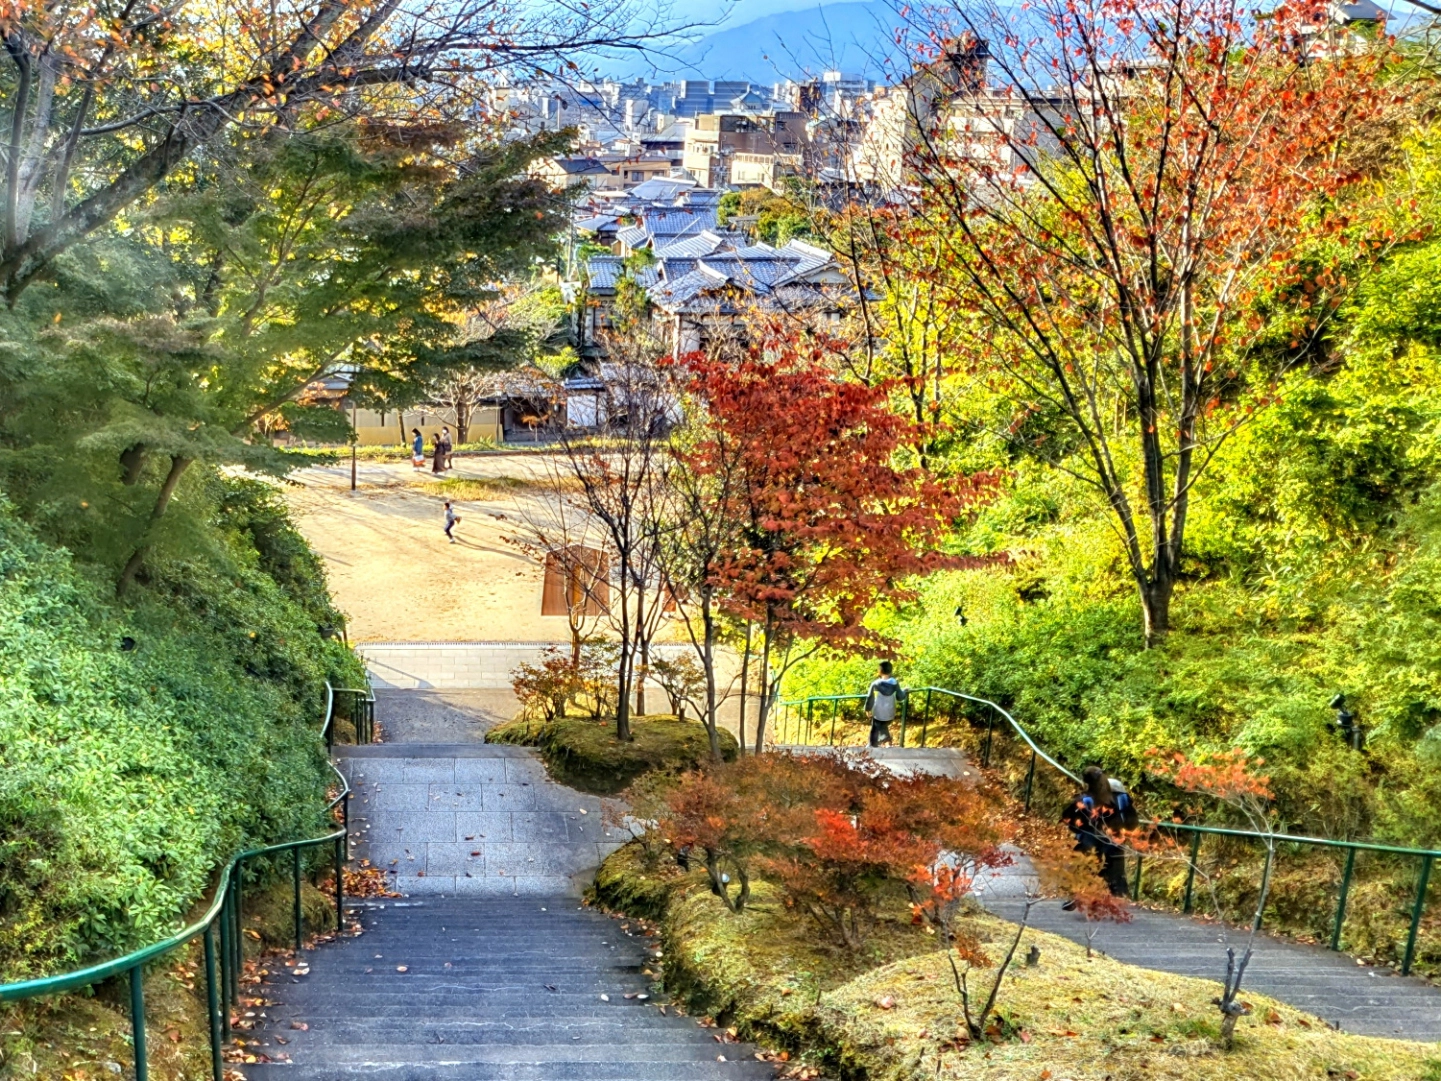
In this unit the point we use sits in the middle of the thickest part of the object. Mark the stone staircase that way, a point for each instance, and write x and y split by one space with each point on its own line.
473 819
486 989
488 968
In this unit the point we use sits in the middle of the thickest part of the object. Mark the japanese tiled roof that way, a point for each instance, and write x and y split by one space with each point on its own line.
706 271
605 271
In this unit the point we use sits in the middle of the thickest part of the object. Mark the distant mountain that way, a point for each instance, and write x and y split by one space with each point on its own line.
851 37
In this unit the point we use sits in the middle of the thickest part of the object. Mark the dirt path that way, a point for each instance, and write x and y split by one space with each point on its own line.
391 569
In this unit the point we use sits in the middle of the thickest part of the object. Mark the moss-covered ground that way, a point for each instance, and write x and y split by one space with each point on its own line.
86 1036
890 1012
585 753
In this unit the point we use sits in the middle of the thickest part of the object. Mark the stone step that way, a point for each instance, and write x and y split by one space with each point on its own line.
566 1043
482 1012
517 1070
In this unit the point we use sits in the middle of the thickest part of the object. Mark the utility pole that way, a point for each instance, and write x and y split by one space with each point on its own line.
354 439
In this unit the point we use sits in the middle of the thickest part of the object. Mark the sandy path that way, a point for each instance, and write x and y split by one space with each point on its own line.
394 574
396 578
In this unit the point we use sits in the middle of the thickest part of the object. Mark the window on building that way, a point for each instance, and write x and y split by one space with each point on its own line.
576 580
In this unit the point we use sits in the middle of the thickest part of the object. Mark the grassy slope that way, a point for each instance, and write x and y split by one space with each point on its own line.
769 974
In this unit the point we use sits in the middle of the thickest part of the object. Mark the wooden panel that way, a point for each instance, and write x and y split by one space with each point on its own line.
552 597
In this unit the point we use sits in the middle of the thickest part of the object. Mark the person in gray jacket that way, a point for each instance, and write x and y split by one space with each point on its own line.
883 702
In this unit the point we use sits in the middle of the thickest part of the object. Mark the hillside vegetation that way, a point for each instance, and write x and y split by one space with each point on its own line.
1311 567
142 746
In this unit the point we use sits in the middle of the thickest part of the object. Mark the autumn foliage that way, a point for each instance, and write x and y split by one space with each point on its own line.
1133 188
1229 776
839 837
828 515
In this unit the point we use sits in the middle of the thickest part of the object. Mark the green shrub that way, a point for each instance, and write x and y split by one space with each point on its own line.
140 747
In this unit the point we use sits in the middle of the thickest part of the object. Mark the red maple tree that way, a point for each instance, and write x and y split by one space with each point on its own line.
829 519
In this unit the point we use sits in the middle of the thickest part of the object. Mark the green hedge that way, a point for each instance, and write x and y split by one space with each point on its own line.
141 746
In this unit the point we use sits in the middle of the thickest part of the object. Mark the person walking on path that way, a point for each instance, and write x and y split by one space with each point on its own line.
1102 809
417 449
438 452
447 447
451 521
883 701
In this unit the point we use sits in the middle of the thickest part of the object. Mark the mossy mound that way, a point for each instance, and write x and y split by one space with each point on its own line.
764 969
1081 1017
635 881
585 753
890 1011
519 732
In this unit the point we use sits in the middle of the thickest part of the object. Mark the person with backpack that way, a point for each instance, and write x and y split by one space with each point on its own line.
883 702
1102 809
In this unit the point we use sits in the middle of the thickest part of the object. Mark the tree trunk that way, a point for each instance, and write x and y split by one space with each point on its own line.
462 419
745 672
178 466
765 686
623 672
643 642
708 664
1228 1029
1156 605
622 700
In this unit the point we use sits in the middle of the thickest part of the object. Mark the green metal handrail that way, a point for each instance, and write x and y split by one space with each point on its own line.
1426 856
362 713
221 928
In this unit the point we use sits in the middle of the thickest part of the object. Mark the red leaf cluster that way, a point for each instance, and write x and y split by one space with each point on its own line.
830 519
840 837
1227 775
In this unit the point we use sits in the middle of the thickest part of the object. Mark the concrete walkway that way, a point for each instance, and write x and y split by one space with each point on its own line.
1352 996
488 969
473 819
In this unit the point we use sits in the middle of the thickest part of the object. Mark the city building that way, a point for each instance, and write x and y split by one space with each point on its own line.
768 145
572 172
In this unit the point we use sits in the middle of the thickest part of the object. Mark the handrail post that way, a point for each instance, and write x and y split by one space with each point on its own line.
1030 780
1416 910
212 1005
1341 899
926 724
1136 886
1191 869
905 717
990 730
810 718
137 1022
237 937
345 822
224 922
299 914
835 709
339 888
